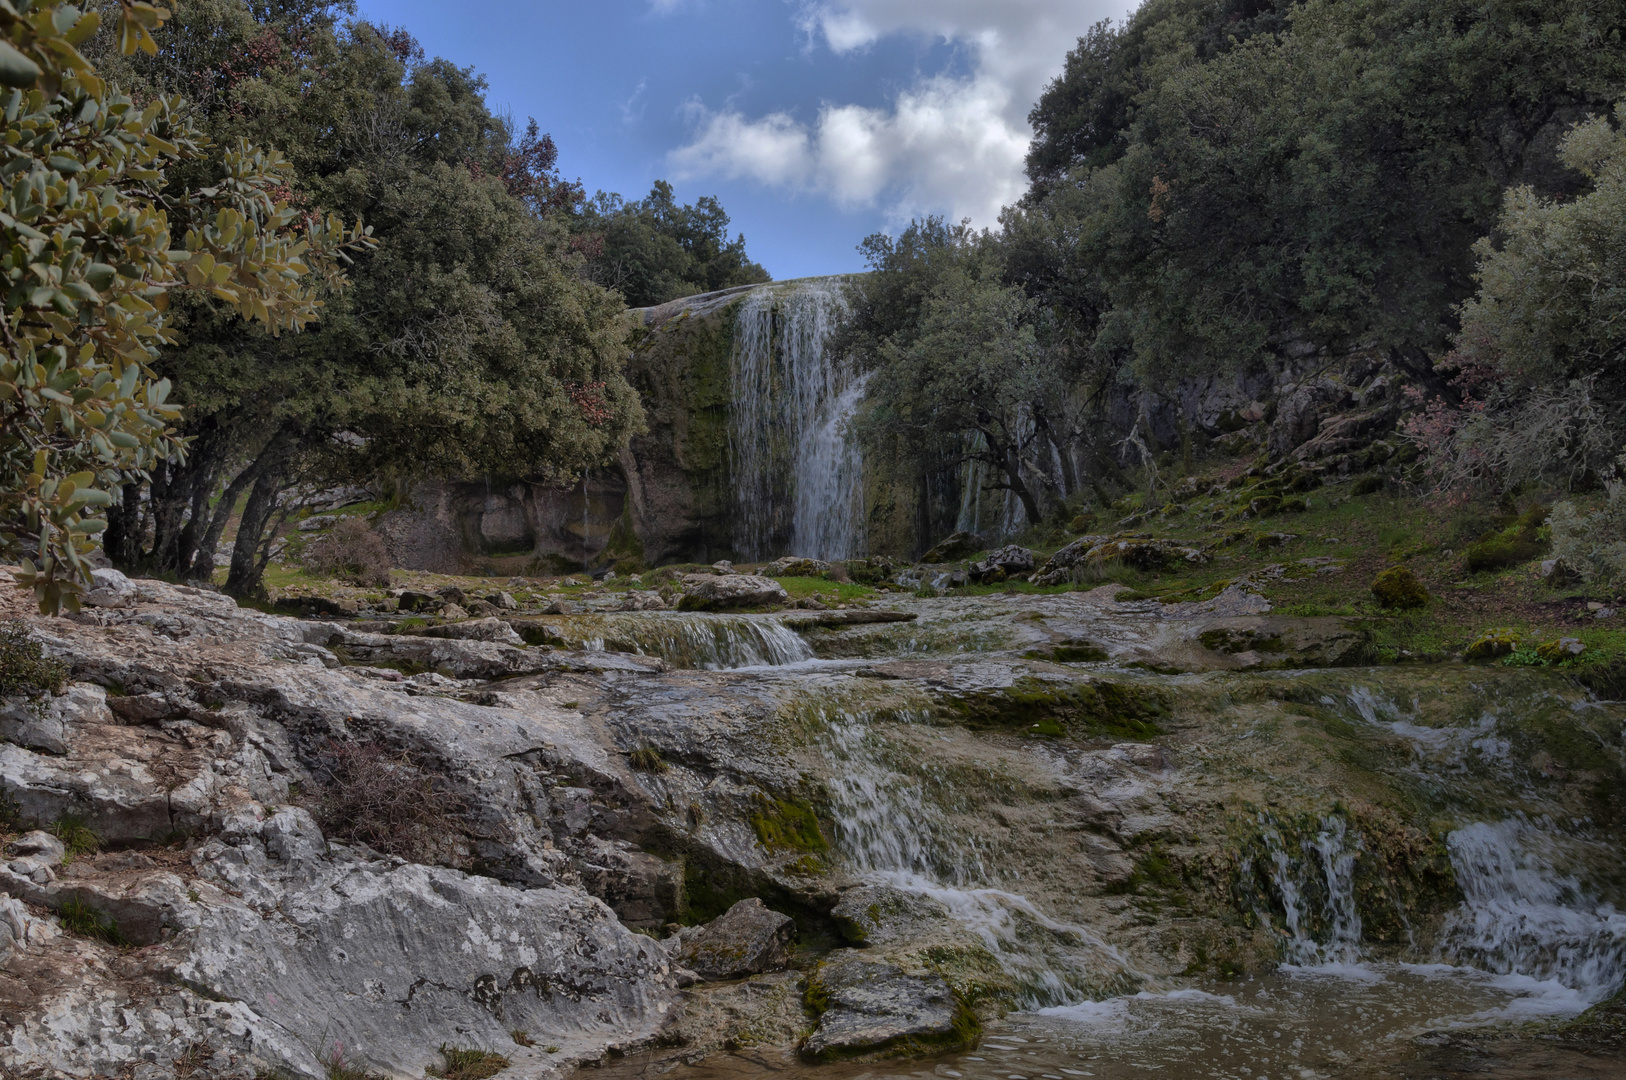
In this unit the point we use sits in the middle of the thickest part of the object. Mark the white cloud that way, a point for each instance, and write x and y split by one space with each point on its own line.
945 145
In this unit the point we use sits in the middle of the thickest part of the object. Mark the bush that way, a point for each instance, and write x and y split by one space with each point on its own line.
387 801
1518 543
24 667
352 552
1398 587
1594 545
468 1064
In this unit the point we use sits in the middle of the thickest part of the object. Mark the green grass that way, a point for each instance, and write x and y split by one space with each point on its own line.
461 1064
85 921
76 836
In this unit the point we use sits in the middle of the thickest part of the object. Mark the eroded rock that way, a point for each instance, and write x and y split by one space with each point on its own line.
747 939
703 592
871 1008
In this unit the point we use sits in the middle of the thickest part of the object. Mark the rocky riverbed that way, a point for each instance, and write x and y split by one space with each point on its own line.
831 836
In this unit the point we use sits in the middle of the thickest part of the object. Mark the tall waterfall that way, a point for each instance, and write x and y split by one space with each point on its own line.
798 475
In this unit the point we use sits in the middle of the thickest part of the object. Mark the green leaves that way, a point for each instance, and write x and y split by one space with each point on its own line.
88 272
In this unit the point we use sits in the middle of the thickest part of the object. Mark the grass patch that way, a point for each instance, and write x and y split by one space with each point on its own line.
76 836
460 1064
647 759
80 919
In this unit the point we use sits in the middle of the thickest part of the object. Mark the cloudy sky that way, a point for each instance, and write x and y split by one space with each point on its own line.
816 122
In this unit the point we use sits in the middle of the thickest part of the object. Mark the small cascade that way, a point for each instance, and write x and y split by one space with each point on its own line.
895 824
798 475
687 640
1315 885
1521 915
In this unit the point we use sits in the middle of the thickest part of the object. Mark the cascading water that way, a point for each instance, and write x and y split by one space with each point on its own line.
688 639
1316 886
1521 915
894 827
798 475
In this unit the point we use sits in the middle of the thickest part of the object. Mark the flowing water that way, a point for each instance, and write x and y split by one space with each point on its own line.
692 640
797 470
1535 934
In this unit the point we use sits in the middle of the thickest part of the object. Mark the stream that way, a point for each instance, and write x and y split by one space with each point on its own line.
1366 977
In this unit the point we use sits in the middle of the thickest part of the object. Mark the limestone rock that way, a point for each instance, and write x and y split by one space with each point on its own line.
454 611
421 956
110 589
703 592
1011 560
960 545
643 600
45 724
796 566
487 629
747 939
503 600
872 1008
883 915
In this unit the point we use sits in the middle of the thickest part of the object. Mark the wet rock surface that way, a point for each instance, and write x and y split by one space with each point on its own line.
993 799
747 939
872 1008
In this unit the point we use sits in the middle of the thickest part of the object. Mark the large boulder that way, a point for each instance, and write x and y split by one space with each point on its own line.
747 939
1012 560
707 592
870 1008
960 545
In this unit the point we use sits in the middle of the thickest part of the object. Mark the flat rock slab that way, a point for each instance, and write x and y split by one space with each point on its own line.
422 956
747 939
707 592
874 1009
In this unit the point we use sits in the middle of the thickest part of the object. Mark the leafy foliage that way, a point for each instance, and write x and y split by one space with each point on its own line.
657 249
1594 545
470 343
92 216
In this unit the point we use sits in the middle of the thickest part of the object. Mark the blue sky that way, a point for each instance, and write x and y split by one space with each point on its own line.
816 122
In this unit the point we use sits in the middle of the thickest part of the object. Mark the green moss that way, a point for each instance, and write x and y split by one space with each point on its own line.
1081 709
1238 641
1398 587
788 825
1490 646
24 667
964 1033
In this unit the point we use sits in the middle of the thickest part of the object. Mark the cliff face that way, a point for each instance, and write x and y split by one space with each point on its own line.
746 455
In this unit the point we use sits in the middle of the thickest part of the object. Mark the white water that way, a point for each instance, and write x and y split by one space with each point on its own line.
690 639
797 471
1522 915
894 826
1327 860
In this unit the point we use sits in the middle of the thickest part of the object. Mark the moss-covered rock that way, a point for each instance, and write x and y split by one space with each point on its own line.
1490 645
1082 709
871 1009
1398 587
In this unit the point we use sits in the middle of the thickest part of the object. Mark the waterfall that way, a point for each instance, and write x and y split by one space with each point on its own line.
1521 915
894 825
798 475
1316 887
687 640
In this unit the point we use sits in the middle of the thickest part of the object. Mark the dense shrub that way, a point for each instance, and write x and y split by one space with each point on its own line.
24 667
387 801
1594 545
1518 543
353 552
1398 587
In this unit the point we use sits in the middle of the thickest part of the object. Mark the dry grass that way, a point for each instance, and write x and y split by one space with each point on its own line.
387 801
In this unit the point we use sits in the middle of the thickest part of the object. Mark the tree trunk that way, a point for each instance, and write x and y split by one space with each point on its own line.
1008 461
243 579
